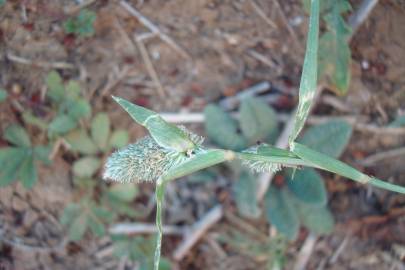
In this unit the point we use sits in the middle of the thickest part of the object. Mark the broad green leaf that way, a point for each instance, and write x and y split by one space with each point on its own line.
17 135
62 124
11 159
222 129
398 122
73 89
308 186
166 135
31 119
245 189
96 226
79 141
3 94
78 227
334 51
86 166
119 138
102 214
309 74
318 219
42 153
28 172
80 108
281 212
123 192
330 138
100 130
56 90
70 213
257 120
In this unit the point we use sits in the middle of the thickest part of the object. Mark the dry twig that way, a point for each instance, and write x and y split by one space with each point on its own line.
197 231
262 15
144 228
38 63
305 252
154 29
371 160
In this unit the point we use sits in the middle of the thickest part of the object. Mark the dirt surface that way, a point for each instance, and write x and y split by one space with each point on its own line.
222 47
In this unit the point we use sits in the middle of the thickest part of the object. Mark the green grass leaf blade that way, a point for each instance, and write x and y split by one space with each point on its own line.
330 164
309 73
166 135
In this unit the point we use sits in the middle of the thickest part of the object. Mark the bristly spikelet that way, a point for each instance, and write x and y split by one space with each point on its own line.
144 160
259 165
196 139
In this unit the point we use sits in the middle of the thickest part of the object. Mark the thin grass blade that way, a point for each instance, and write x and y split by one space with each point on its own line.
309 74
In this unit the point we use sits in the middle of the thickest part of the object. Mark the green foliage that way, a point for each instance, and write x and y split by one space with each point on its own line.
257 120
222 129
330 138
281 212
309 73
245 190
69 104
81 25
118 197
138 249
318 219
2 2
85 215
257 123
19 160
3 93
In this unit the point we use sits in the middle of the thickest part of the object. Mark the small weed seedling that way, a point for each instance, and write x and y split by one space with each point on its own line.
19 160
82 25
172 152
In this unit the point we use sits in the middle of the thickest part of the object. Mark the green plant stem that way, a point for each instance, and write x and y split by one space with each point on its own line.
285 161
160 190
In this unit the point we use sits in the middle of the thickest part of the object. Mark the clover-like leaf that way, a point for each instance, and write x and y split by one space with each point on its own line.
62 124
257 120
308 186
100 130
86 166
281 212
28 172
245 190
80 141
318 219
222 129
17 135
119 138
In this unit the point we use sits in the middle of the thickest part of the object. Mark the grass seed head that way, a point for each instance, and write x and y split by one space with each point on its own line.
259 165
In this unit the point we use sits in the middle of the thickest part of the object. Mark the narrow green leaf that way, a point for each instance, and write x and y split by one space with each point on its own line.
119 138
17 135
3 95
28 172
62 124
318 219
257 120
166 135
330 138
245 189
281 212
78 227
222 129
100 130
79 141
309 73
86 166
123 192
56 90
308 186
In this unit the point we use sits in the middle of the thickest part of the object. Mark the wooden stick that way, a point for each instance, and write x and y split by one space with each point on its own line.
144 228
154 29
39 63
197 231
